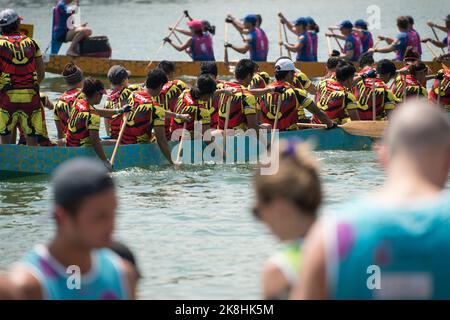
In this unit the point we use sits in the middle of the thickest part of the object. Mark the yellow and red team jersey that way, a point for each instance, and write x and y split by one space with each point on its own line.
330 75
199 110
168 98
301 81
414 89
444 85
259 81
19 88
83 118
334 99
145 114
385 100
43 140
64 105
293 102
116 99
217 101
243 104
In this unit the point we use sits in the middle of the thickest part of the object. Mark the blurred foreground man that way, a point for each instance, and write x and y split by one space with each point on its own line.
394 243
77 265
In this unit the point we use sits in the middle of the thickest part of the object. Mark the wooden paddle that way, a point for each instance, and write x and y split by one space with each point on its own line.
225 127
330 51
180 145
339 44
280 39
287 40
116 147
275 123
437 38
374 129
168 36
376 43
374 100
404 88
225 55
181 42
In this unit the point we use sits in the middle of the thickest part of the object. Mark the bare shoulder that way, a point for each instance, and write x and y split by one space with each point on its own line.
131 277
274 281
24 284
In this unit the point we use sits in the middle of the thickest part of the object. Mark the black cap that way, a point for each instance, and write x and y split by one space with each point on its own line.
117 74
79 178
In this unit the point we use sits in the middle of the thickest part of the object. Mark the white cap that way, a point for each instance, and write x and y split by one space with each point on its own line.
8 16
285 64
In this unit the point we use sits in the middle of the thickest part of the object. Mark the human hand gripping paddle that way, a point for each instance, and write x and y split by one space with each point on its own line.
168 36
374 129
123 111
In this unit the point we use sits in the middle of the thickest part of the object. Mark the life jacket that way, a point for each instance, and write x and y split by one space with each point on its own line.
64 105
242 103
444 99
168 98
292 102
258 45
217 102
354 41
414 42
202 47
315 43
199 110
414 89
306 52
364 91
83 118
366 40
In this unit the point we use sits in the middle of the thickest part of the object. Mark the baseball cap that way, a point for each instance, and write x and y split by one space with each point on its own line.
285 64
117 74
346 24
77 179
8 16
447 18
195 24
310 21
301 21
360 23
251 18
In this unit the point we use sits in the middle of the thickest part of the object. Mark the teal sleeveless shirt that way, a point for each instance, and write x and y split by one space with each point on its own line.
105 280
380 251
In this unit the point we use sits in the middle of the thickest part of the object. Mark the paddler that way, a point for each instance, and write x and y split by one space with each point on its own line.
73 77
440 91
288 203
84 210
256 42
119 77
445 43
293 101
84 122
19 89
200 44
304 46
352 46
393 243
65 31
414 37
361 28
400 44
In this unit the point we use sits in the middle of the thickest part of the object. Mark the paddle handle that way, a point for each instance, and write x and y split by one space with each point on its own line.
312 125
374 100
168 36
225 127
437 38
330 51
119 138
275 123
337 41
376 44
431 50
180 146
280 39
287 41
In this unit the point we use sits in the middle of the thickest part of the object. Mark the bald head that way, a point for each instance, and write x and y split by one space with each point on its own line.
419 133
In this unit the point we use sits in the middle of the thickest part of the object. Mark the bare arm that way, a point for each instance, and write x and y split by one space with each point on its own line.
243 49
182 47
107 127
182 31
312 281
434 25
40 69
275 284
323 118
59 129
293 47
132 277
160 134
334 35
289 24
97 144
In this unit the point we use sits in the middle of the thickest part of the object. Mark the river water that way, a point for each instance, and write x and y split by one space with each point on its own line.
191 229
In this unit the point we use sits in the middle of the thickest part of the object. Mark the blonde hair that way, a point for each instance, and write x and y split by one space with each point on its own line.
297 179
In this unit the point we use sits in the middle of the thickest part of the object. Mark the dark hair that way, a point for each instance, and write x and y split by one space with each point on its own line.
244 68
332 62
208 27
314 27
345 70
208 67
366 59
205 85
156 78
386 66
258 18
419 66
402 22
166 66
410 19
72 74
281 75
13 27
92 86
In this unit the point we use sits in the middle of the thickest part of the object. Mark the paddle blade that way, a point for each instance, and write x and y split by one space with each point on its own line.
374 129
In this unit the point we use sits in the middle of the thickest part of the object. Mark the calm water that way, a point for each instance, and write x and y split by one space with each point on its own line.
191 228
